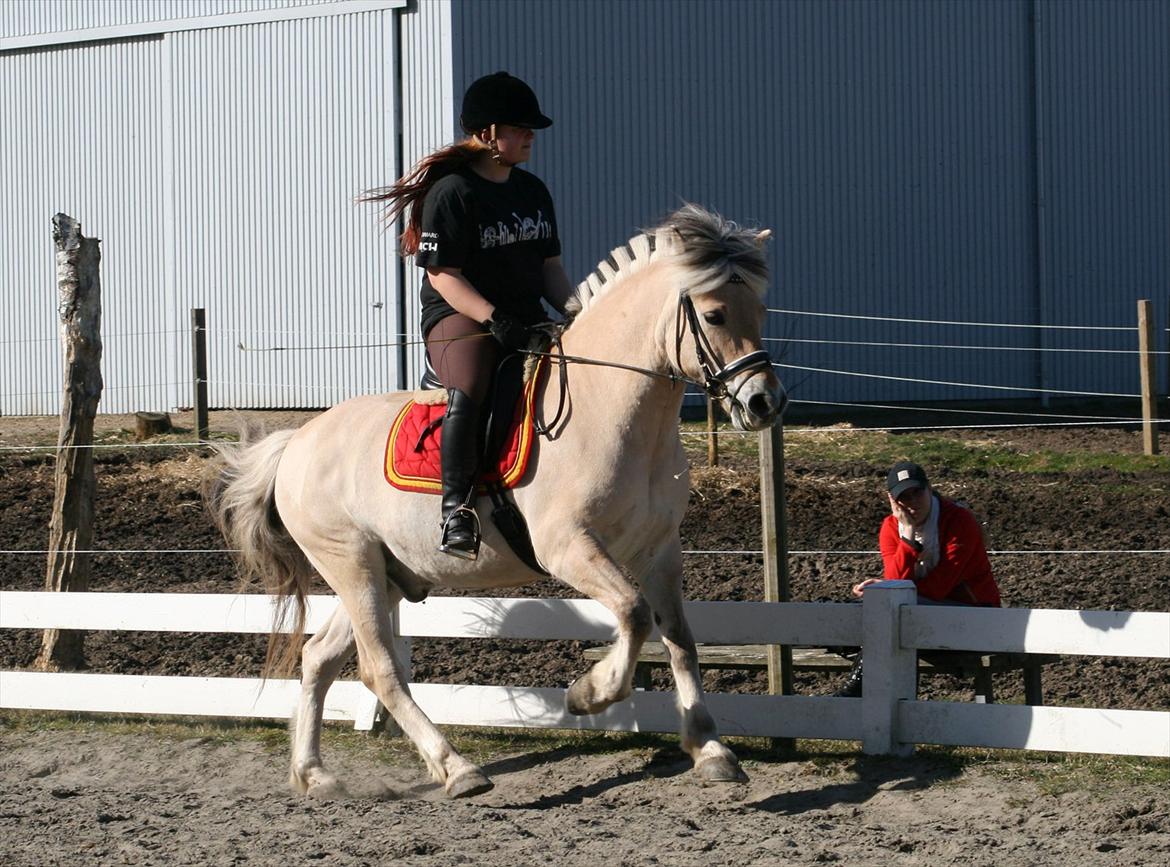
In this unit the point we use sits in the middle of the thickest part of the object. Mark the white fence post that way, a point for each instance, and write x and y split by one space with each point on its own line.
890 670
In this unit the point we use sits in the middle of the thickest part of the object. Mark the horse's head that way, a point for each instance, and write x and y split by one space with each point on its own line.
720 315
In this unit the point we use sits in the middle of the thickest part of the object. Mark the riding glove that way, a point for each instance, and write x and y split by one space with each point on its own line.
509 331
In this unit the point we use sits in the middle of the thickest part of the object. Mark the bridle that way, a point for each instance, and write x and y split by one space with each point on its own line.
715 379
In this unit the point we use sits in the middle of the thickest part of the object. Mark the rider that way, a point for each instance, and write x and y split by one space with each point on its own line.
486 234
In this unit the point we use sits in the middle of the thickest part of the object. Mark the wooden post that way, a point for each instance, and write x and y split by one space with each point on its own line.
199 360
774 521
712 435
1149 381
71 524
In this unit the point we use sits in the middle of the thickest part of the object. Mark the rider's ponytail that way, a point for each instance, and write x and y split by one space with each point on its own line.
407 193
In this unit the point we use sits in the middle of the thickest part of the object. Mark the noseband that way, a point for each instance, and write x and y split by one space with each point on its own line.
715 380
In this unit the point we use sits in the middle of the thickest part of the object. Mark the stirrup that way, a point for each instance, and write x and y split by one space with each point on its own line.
461 549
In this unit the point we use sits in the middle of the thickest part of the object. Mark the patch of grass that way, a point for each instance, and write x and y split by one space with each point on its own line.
957 451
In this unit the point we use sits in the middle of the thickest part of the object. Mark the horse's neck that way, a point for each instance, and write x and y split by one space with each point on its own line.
625 327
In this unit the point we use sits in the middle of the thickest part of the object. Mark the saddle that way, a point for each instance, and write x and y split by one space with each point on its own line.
412 460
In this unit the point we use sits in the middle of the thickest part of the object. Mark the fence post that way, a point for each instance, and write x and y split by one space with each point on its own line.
1146 344
199 360
712 436
774 521
71 524
890 669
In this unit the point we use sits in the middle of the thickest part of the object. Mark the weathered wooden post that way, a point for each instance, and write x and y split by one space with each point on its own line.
774 520
199 362
1146 344
71 525
712 434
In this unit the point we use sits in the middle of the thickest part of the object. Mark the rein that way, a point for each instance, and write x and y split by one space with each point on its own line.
715 379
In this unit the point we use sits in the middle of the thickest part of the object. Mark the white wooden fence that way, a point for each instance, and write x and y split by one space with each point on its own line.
890 626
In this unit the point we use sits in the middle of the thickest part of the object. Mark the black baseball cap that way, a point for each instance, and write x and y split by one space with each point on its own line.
905 475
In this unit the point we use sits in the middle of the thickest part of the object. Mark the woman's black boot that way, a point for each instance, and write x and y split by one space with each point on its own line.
459 457
852 686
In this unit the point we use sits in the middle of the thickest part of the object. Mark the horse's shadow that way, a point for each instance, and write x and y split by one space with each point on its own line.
874 774
664 763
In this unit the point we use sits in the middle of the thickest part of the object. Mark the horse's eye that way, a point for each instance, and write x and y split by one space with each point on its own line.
714 317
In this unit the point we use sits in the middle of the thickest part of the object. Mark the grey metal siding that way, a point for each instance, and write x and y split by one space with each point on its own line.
892 145
1106 128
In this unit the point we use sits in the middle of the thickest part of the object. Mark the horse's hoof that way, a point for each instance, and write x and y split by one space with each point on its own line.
720 769
468 784
579 699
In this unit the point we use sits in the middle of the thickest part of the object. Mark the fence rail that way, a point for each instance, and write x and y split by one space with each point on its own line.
888 623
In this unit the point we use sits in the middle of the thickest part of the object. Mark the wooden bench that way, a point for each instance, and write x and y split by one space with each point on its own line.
979 667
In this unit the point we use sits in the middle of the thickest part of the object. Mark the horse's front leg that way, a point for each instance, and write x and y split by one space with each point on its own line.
663 590
588 568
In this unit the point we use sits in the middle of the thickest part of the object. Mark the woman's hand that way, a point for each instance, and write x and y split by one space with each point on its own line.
859 589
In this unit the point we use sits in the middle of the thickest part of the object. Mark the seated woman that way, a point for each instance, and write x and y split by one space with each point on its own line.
932 541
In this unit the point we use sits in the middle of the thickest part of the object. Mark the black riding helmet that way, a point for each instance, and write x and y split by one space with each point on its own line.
501 98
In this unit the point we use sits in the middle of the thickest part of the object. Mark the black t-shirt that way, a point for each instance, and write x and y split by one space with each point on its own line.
498 234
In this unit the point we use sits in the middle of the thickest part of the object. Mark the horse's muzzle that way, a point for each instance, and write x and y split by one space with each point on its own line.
758 403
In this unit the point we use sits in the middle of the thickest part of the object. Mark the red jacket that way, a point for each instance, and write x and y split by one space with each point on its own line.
963 573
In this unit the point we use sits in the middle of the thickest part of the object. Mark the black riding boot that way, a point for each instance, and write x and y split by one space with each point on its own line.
852 686
460 460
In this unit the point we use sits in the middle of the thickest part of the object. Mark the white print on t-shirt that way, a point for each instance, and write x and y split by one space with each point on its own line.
521 229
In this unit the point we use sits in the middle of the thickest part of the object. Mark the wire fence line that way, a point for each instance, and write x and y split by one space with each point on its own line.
959 346
954 321
694 553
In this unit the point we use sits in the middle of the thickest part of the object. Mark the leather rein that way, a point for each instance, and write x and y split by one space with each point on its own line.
714 384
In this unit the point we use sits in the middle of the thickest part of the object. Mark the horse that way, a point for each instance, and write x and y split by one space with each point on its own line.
603 494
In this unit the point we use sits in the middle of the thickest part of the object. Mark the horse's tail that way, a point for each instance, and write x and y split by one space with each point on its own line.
239 493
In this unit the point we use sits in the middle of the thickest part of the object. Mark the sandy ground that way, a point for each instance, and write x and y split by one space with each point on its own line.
98 797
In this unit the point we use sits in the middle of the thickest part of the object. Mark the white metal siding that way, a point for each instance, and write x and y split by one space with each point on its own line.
219 168
430 100
83 135
277 127
25 17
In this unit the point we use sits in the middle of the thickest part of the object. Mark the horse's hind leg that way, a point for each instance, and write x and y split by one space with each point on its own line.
358 576
321 661
663 590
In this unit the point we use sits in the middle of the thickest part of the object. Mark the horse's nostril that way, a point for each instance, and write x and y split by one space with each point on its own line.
759 405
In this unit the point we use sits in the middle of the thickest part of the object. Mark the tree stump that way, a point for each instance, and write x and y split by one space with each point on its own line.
149 424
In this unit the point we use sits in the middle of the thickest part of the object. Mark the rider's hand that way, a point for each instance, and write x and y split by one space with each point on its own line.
509 331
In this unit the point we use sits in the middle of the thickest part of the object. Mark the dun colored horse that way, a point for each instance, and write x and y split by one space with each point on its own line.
603 495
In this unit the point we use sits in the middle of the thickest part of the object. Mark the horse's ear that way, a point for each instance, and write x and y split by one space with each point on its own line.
762 236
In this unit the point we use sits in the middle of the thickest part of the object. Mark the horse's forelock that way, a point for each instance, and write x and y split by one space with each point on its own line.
709 249
715 251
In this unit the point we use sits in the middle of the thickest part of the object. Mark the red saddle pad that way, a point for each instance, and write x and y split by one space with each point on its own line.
412 448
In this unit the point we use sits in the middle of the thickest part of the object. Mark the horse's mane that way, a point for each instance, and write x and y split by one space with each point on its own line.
711 251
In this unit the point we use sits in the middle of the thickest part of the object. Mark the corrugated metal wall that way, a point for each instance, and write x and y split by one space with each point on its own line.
970 161
85 137
277 127
24 17
219 167
430 103
891 145
1105 121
